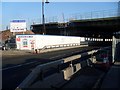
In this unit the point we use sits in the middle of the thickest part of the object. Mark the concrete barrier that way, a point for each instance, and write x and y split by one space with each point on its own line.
62 74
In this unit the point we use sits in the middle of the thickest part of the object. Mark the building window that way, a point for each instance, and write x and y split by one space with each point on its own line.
25 43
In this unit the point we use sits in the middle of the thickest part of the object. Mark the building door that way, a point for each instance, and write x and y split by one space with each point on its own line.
25 43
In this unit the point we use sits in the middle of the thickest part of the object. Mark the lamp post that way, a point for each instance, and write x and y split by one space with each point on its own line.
43 16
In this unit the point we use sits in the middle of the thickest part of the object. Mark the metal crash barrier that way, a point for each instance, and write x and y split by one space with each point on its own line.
55 74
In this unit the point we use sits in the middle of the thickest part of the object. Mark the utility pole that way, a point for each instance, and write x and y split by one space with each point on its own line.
63 17
119 8
64 25
43 16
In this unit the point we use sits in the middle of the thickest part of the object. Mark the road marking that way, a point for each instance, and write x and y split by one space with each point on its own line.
19 65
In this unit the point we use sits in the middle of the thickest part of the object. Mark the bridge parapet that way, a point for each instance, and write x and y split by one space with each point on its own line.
80 16
55 74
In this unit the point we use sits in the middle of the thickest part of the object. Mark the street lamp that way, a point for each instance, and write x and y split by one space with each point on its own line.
43 16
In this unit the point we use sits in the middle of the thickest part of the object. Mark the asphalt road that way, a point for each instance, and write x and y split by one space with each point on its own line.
16 68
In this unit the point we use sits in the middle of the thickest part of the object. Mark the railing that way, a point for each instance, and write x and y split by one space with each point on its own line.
95 15
79 16
57 73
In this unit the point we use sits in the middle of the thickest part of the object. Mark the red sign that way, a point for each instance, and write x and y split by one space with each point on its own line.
18 39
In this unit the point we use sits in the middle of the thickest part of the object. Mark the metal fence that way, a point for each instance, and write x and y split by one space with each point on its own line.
95 14
77 16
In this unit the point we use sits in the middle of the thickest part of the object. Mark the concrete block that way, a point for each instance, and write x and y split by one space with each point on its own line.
68 72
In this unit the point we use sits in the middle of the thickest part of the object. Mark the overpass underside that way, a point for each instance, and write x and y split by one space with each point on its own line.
101 27
98 28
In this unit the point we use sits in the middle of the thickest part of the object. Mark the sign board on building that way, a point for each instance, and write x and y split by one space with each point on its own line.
18 26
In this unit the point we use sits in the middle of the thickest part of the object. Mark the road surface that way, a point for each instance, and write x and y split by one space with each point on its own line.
17 67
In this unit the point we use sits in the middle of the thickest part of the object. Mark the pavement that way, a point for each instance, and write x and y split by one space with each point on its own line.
86 79
112 79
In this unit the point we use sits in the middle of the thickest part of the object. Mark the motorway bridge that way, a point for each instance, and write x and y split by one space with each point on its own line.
97 28
94 26
100 24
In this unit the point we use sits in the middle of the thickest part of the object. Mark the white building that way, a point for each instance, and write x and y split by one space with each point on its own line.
29 42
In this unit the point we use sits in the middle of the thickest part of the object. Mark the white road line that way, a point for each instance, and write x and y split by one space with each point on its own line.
19 65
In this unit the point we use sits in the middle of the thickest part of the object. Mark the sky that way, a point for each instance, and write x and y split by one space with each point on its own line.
31 11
